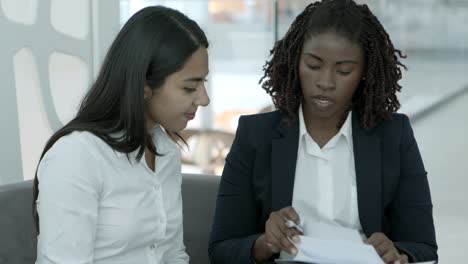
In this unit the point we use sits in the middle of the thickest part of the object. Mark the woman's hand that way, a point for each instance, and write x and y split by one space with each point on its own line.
277 235
386 250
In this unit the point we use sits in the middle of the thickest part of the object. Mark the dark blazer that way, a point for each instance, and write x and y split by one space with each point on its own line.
258 178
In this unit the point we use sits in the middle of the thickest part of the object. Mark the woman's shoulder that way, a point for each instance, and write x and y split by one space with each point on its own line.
396 130
263 119
72 157
396 122
77 145
259 129
399 117
72 161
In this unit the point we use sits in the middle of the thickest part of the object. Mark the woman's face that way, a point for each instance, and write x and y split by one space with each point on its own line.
330 70
177 100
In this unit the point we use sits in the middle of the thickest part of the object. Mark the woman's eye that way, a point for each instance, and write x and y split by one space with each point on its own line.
190 90
312 67
344 73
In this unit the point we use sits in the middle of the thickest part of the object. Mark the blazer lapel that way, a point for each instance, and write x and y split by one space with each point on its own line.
368 177
283 163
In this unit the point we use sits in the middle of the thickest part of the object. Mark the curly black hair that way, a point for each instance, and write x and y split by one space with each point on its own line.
376 97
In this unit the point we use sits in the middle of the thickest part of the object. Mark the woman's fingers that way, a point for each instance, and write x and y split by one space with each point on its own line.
278 234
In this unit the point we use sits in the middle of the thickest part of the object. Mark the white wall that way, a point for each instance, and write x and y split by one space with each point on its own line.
49 53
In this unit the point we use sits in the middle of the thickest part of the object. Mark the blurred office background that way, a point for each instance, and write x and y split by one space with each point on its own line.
51 51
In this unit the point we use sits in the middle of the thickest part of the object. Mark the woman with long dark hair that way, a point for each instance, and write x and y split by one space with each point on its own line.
108 185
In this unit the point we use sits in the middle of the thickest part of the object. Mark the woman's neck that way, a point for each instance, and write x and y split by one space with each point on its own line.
322 129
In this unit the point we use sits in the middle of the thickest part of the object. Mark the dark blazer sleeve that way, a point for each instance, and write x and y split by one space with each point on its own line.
234 229
411 209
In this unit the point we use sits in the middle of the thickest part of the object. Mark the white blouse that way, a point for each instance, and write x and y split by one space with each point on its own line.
325 181
96 206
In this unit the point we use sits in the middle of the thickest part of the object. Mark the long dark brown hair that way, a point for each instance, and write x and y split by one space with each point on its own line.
154 43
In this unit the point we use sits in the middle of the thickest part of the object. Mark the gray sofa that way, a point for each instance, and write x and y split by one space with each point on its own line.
18 235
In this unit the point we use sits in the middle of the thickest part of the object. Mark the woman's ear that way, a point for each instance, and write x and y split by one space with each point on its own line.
147 93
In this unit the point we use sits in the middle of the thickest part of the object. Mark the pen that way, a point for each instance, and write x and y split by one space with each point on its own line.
290 223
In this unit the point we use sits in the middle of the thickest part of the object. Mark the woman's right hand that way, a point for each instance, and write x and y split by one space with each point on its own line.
277 235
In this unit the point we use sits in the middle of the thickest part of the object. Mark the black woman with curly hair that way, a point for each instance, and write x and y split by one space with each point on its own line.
335 152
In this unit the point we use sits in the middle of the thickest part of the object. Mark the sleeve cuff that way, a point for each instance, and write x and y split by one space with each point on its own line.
251 243
402 249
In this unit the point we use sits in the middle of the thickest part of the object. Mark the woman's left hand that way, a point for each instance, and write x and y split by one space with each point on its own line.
386 250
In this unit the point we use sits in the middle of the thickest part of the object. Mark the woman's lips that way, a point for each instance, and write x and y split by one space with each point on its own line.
190 116
323 101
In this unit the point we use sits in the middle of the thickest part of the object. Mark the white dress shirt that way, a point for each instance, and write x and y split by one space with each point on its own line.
95 206
325 180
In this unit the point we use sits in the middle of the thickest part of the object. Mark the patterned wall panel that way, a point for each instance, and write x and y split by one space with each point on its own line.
46 64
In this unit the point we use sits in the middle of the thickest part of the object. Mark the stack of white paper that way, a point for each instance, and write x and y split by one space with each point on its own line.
329 243
325 243
325 251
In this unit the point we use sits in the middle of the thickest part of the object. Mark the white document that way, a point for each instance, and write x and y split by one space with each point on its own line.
329 231
328 251
325 243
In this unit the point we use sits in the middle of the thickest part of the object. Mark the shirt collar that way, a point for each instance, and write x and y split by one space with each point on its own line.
302 127
159 140
346 129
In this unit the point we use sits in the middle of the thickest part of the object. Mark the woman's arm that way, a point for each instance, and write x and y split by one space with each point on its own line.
412 225
234 230
67 204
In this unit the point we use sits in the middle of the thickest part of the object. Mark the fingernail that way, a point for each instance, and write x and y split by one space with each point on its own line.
293 251
295 239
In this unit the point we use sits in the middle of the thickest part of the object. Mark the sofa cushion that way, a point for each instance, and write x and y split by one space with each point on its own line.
18 234
199 197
